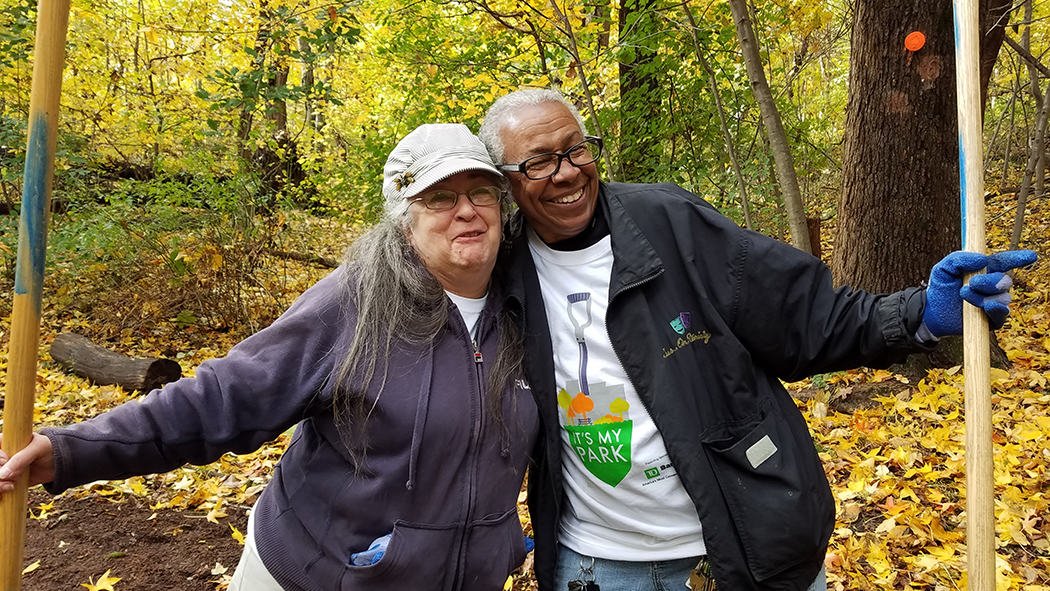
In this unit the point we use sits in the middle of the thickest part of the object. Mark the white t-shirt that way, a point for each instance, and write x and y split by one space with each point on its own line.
470 309
625 501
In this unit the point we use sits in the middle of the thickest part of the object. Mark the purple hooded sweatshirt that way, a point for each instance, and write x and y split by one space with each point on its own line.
440 473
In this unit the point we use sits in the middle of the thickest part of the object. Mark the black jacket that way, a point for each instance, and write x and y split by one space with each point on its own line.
751 311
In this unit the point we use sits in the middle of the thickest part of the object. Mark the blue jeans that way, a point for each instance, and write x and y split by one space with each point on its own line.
617 575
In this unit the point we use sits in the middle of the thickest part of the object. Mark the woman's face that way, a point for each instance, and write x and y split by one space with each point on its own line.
458 245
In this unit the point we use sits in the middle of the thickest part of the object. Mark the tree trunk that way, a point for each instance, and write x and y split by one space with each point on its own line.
601 14
308 82
1039 146
898 212
741 185
640 95
246 116
102 366
1010 131
575 50
1036 149
994 15
779 145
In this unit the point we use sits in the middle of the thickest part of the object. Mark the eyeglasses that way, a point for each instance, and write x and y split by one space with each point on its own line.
444 200
542 166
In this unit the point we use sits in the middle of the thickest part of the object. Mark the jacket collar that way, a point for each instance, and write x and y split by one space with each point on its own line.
634 259
520 259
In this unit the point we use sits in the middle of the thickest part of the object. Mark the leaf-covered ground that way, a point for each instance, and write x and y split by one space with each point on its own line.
896 462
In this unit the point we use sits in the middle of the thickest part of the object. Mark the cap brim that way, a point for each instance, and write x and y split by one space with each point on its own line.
444 170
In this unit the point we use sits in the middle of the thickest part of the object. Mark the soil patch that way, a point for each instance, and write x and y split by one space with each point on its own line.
148 550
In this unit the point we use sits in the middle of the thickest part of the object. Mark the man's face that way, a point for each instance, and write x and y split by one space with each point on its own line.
560 206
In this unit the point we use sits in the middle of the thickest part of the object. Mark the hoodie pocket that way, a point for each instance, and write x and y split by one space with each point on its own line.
772 496
418 556
495 547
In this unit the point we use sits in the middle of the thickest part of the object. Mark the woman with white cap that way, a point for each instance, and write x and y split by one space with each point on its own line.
403 377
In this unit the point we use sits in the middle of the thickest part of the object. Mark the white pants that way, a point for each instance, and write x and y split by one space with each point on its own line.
251 573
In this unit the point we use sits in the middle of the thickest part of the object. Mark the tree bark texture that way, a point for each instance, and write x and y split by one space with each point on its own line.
84 358
899 211
779 145
640 93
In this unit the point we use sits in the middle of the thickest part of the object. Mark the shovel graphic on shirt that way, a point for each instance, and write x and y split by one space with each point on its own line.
578 328
603 445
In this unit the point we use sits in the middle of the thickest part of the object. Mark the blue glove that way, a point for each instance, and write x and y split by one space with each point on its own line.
373 554
990 292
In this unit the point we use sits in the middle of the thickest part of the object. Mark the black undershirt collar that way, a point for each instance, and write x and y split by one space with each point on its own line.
595 231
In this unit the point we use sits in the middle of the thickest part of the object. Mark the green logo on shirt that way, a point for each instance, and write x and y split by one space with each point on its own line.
604 449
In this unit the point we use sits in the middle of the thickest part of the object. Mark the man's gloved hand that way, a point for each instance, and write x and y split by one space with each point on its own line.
990 292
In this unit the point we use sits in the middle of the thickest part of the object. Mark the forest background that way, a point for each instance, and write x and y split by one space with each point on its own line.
216 158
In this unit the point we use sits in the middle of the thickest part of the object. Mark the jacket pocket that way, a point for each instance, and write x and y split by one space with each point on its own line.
495 547
773 495
418 556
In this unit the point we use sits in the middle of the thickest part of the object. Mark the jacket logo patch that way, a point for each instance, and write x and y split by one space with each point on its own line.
681 324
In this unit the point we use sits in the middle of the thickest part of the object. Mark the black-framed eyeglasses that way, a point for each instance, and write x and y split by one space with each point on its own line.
446 199
542 166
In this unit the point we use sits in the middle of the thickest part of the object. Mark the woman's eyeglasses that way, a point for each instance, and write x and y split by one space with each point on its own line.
444 200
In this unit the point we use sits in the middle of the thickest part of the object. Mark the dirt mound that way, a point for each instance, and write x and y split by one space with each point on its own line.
80 539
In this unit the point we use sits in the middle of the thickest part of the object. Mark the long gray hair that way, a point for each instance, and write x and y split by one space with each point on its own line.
399 301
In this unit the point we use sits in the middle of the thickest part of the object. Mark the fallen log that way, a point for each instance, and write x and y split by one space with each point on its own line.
81 356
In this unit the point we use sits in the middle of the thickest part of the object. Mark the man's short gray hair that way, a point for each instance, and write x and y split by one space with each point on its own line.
504 107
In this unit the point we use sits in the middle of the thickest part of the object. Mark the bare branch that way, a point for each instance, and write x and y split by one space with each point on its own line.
1027 56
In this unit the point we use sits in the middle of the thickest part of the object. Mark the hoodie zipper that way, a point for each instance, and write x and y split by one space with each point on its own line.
475 449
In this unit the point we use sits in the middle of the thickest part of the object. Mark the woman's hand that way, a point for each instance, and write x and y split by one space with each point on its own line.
37 457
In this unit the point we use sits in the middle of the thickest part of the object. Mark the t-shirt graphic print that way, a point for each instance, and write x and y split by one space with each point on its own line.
596 415
624 498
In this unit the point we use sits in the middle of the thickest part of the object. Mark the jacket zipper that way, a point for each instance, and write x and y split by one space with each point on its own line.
546 445
475 452
617 353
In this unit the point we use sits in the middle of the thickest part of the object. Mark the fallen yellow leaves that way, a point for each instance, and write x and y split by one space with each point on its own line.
898 475
104 583
216 513
237 535
42 511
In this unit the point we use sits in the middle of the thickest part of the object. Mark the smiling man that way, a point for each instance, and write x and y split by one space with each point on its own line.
657 336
